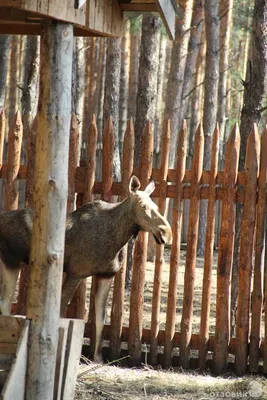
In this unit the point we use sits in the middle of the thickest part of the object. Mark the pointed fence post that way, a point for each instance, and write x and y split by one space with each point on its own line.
208 256
2 134
225 257
50 205
140 254
246 250
191 252
177 214
119 281
257 293
13 162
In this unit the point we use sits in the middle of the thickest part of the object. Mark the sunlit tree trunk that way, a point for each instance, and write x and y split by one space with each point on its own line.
134 66
4 51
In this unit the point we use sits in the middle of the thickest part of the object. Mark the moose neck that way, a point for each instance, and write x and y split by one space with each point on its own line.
124 220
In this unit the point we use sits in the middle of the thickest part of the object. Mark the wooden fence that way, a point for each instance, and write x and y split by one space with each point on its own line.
171 347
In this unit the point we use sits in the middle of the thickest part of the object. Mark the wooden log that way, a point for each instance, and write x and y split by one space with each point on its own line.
119 281
192 235
13 162
225 257
139 261
246 251
24 273
107 179
257 294
209 245
159 262
177 214
2 134
50 204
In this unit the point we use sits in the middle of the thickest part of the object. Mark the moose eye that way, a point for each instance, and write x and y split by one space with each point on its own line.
144 207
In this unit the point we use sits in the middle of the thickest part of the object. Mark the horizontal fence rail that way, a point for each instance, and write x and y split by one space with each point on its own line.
222 190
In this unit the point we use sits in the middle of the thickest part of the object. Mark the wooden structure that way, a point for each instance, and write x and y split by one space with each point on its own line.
89 18
227 187
38 364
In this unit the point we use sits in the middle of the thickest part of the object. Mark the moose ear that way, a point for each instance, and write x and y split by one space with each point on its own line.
150 188
134 184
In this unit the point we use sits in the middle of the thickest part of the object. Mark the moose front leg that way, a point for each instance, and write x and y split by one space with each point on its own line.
68 290
101 295
8 281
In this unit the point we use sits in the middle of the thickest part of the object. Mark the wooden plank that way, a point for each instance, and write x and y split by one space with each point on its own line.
13 162
168 13
159 261
72 358
140 253
177 212
90 160
14 387
50 201
119 281
208 256
257 293
246 251
189 276
62 339
225 257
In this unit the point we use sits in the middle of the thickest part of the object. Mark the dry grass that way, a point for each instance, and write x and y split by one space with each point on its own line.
112 383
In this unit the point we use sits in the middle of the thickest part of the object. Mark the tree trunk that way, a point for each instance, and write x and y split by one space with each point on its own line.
193 51
50 201
255 88
210 101
4 51
134 67
112 94
78 83
147 79
13 97
176 75
124 83
226 8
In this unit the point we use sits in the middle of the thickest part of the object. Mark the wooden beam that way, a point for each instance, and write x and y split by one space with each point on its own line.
49 200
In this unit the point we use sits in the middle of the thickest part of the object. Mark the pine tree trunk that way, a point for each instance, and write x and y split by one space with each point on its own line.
124 83
78 83
147 79
4 51
112 94
176 75
193 51
134 67
210 101
255 88
13 78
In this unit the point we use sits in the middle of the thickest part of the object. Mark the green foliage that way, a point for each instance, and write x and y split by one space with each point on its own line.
136 24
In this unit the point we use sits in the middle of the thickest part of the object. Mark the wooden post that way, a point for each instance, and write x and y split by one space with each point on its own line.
13 162
2 134
177 215
50 201
257 294
208 256
225 258
192 235
140 254
73 162
159 248
119 281
246 251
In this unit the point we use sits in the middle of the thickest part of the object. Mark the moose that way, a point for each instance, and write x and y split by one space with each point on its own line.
95 236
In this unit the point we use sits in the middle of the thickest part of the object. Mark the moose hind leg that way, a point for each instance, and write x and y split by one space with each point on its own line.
102 290
8 281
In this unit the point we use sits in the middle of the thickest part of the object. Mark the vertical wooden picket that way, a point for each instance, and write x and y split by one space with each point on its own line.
138 276
177 214
165 149
257 293
119 281
2 134
73 162
186 322
107 180
246 250
208 256
225 257
13 162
